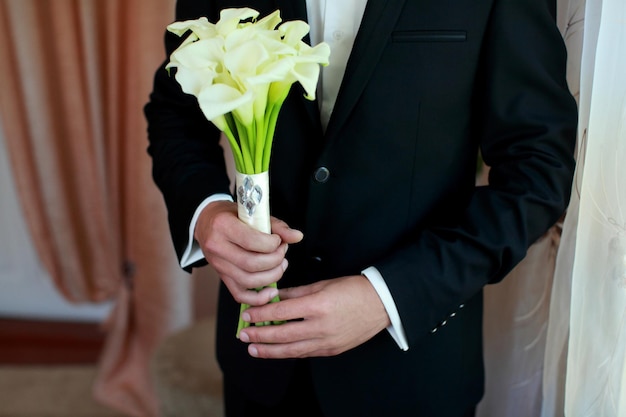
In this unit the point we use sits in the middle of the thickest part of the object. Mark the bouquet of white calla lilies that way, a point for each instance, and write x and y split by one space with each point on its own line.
241 70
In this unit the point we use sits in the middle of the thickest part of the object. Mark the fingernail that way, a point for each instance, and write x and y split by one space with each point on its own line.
246 317
273 292
253 352
284 264
244 337
286 248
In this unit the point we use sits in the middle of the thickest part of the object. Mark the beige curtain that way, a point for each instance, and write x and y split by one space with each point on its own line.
515 322
76 74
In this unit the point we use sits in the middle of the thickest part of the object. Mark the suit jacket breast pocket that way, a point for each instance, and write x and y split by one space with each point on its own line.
429 36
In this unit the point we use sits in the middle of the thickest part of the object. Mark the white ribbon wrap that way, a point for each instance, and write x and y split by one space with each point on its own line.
253 200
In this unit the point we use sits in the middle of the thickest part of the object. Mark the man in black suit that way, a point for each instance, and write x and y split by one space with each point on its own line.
384 226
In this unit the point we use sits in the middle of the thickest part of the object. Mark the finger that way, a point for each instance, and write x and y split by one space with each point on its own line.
286 310
222 224
248 262
297 292
251 296
253 240
286 233
239 282
289 332
301 349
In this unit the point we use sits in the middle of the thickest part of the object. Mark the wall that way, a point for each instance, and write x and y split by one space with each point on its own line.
26 291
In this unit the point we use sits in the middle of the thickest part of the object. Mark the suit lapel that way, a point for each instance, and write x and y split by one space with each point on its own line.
378 21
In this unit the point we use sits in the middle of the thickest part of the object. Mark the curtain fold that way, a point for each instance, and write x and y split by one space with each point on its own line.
76 76
515 322
571 23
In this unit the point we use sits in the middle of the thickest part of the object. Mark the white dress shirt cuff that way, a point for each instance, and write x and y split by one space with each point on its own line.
396 330
193 253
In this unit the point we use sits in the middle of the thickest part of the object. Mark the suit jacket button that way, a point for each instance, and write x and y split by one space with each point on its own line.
321 175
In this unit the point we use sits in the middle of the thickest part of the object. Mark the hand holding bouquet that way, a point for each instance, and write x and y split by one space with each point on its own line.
241 70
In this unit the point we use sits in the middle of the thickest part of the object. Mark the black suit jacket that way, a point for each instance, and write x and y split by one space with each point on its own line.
428 84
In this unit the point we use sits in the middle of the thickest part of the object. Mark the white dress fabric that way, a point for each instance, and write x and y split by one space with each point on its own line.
595 375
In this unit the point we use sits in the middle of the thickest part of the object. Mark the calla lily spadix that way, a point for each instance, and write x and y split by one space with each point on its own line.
241 70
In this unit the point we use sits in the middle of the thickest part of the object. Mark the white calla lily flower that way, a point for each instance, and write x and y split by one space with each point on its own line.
219 99
230 19
293 32
201 28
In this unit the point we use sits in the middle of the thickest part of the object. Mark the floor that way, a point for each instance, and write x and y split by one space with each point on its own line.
49 391
47 369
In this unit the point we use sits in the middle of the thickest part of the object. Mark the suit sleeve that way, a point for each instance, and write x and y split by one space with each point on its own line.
188 162
525 119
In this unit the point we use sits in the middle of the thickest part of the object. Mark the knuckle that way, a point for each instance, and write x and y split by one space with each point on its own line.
274 242
281 311
263 353
320 306
240 298
250 281
252 298
255 300
238 295
219 221
211 245
251 264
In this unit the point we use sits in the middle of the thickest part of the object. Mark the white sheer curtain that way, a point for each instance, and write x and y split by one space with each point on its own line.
571 22
596 378
595 304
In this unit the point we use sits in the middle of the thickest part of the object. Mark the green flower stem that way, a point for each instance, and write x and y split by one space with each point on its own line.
254 150
248 165
272 118
260 143
234 146
252 145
